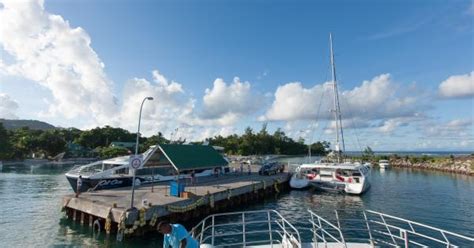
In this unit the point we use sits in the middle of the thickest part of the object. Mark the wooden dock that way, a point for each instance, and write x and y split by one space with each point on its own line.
109 210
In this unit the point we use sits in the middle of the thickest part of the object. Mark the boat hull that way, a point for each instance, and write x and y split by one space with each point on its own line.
340 187
298 183
98 184
328 187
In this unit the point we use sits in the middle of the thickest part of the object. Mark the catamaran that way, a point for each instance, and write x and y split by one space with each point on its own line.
333 175
164 162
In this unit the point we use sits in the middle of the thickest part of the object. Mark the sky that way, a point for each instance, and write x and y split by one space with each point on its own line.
405 69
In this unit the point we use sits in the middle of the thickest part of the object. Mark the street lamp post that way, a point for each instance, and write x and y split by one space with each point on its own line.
136 147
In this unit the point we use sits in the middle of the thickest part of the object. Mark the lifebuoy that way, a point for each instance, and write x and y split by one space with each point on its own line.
96 226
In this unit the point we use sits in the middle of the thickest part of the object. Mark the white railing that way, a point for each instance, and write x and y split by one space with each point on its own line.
402 232
248 228
379 229
324 231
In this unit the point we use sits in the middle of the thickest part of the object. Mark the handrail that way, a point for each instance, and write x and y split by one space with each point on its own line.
374 227
382 229
411 223
283 228
411 230
324 232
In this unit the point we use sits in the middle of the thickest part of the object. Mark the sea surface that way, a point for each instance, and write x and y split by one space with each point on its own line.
30 201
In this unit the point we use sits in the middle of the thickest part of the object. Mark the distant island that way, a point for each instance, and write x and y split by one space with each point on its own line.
31 124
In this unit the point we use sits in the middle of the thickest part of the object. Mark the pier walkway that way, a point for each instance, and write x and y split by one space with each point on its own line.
109 209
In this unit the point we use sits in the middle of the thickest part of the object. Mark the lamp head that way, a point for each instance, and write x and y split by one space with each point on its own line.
149 98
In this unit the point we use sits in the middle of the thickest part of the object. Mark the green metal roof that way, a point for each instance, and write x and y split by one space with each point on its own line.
190 157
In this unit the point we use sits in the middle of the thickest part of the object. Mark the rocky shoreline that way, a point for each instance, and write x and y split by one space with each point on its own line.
459 165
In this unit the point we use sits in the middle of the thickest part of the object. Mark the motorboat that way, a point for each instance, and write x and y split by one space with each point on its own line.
160 163
344 229
301 177
384 164
333 174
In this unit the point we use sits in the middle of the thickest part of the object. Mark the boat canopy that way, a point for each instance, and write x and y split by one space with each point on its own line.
192 157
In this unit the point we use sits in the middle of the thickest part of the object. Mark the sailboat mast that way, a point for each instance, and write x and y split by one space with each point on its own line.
337 108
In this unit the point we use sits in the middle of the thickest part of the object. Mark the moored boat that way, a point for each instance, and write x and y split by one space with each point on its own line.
350 178
160 163
384 164
335 175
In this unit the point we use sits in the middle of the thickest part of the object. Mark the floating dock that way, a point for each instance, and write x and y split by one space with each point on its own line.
109 210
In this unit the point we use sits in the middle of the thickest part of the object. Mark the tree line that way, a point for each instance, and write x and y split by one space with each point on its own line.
262 142
23 142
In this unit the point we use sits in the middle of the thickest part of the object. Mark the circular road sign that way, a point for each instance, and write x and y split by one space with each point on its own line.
136 163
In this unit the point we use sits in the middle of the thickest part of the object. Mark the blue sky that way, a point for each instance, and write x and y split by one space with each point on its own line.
404 50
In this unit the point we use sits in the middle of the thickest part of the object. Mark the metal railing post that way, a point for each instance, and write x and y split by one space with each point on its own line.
315 236
404 236
202 230
212 236
368 228
322 231
388 229
243 229
337 219
270 228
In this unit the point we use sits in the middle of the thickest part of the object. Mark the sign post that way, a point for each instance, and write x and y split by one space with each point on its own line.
135 163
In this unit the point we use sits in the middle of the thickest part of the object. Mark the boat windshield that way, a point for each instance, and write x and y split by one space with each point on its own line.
349 173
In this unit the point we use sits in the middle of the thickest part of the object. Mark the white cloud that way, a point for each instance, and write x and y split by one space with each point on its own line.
172 109
390 125
46 49
228 102
294 102
351 123
8 107
372 100
454 129
458 86
166 112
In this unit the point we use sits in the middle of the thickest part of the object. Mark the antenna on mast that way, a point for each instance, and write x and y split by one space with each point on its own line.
337 108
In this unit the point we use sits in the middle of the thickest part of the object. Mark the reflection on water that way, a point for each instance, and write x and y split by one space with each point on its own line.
31 201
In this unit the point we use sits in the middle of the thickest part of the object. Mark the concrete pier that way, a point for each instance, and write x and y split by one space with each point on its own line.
109 210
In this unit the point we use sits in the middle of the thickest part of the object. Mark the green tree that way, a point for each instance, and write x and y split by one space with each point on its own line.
102 137
51 143
5 145
155 140
111 152
367 154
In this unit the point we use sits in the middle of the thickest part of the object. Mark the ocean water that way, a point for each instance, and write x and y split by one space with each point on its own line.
30 200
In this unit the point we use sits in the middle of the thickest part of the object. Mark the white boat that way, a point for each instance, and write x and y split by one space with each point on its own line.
160 163
335 176
384 164
301 177
345 229
350 178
